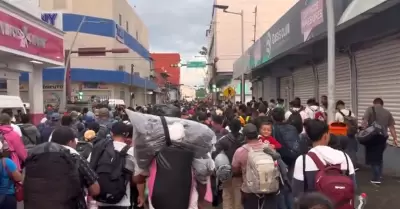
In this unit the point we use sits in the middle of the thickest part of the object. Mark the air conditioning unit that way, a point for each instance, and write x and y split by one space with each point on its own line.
121 67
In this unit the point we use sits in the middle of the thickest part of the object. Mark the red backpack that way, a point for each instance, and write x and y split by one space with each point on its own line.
337 185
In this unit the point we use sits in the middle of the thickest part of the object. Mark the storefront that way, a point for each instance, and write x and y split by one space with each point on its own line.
379 76
27 45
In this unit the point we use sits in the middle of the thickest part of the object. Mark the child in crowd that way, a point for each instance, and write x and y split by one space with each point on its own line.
266 135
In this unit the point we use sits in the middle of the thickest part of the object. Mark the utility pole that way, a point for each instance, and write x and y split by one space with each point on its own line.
255 24
131 86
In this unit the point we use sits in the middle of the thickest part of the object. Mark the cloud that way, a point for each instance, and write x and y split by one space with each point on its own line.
177 26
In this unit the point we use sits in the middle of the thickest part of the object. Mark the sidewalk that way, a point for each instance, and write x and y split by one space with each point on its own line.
385 196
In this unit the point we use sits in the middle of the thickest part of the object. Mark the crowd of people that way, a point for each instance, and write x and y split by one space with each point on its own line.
274 158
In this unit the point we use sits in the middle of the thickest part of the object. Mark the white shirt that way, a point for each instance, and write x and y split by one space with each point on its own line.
339 117
16 129
302 113
311 110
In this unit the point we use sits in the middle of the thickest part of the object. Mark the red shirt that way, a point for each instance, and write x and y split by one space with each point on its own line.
271 140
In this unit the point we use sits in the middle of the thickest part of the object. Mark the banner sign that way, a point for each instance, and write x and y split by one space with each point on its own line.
19 35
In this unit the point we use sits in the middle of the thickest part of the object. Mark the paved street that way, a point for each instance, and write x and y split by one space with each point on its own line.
384 197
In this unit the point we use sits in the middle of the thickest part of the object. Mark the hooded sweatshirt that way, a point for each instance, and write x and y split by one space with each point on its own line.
15 144
327 155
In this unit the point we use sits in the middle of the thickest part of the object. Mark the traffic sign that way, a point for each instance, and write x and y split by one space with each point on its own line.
196 64
229 92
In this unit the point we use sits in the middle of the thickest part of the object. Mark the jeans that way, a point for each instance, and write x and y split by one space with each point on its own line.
285 199
377 169
351 150
8 202
254 201
231 194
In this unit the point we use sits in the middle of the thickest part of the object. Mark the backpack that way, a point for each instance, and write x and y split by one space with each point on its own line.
109 165
351 123
51 167
333 183
296 120
292 147
103 132
319 115
262 172
84 148
29 143
234 144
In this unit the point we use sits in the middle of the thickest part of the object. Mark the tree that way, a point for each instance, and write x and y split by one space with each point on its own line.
201 93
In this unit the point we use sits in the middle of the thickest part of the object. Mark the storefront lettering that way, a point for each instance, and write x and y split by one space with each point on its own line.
52 86
274 38
22 34
49 18
312 16
281 33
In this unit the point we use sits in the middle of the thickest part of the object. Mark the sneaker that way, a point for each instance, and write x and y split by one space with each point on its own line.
376 183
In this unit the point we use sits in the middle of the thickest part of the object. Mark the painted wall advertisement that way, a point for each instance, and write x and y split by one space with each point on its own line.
19 35
303 22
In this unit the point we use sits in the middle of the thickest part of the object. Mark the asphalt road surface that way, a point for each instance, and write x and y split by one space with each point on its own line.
386 196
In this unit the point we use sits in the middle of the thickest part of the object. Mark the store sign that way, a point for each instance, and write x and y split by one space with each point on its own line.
119 33
50 18
19 35
94 85
303 22
53 86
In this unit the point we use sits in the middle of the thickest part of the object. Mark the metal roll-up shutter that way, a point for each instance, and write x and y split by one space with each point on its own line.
259 89
254 92
284 88
343 80
304 83
378 75
322 70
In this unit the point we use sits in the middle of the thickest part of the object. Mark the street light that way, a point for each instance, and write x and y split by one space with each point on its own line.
242 79
63 100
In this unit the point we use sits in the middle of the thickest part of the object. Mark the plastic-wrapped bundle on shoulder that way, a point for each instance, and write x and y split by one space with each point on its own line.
203 168
148 133
223 167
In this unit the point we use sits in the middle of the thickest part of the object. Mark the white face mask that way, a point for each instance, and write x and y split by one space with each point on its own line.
13 119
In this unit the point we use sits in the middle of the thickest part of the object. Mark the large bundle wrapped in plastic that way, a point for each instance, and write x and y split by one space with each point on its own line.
223 167
148 133
203 168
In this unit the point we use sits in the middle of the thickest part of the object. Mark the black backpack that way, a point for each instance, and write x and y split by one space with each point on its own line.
234 143
296 120
84 148
109 165
52 178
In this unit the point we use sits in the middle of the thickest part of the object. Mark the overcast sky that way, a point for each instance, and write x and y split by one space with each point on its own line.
177 26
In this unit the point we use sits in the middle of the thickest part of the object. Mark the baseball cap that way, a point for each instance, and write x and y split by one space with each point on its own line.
250 131
55 116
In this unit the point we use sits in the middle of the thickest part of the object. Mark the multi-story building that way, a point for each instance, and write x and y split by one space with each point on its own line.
106 24
225 39
167 73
